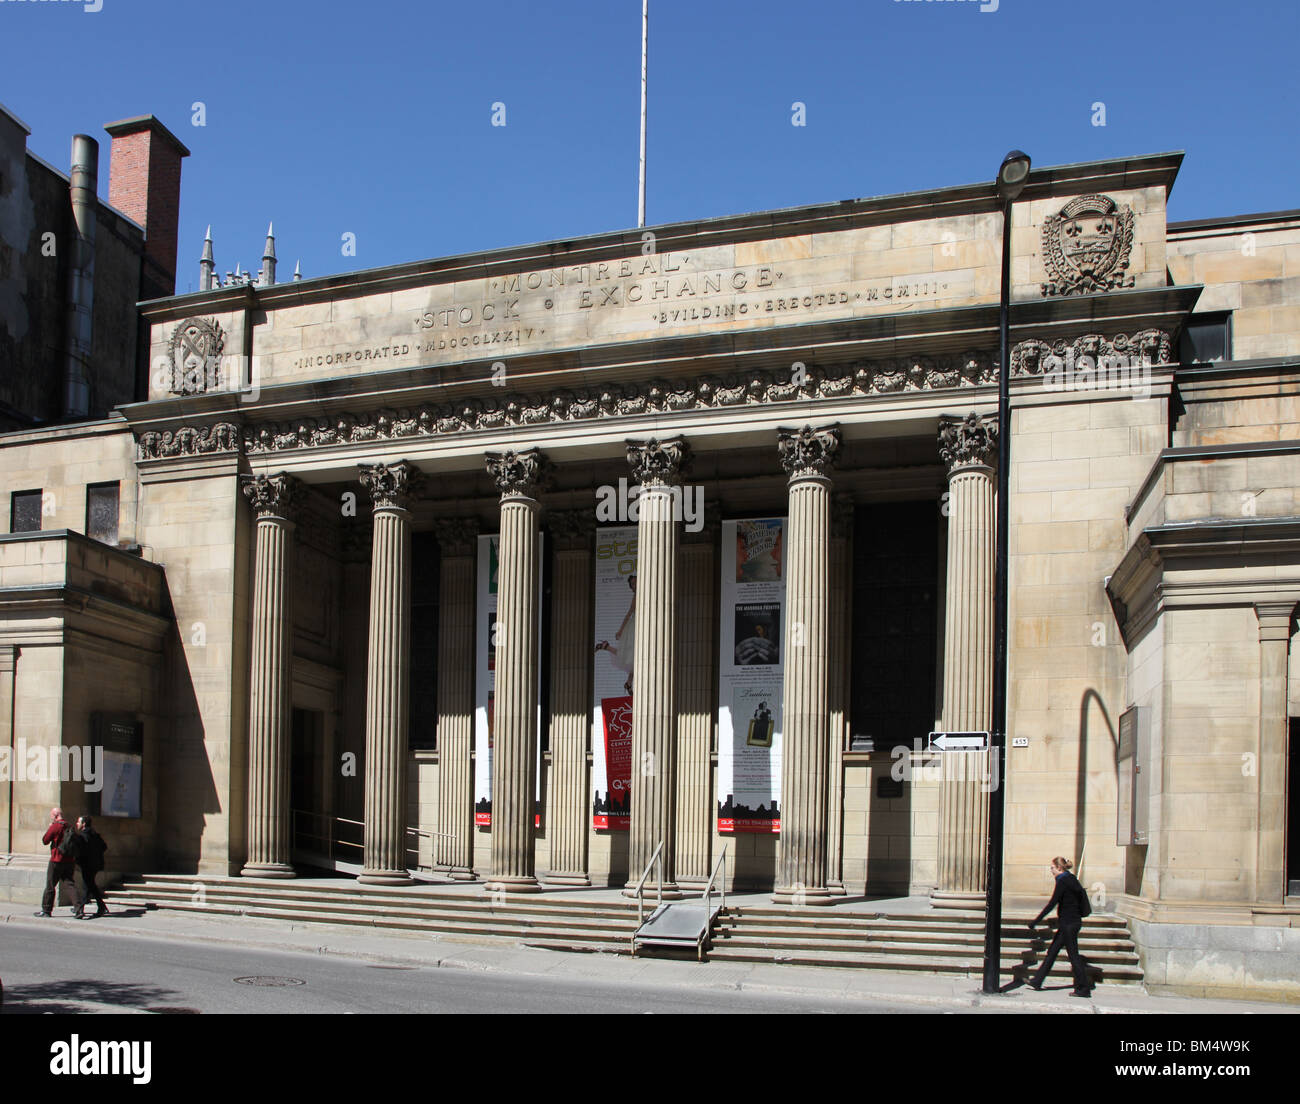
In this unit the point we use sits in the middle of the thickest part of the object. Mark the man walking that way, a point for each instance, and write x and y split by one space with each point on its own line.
1072 906
61 839
90 861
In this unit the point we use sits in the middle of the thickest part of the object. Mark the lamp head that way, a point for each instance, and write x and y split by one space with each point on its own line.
1013 175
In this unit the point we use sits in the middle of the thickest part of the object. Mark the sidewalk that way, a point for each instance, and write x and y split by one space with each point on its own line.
501 956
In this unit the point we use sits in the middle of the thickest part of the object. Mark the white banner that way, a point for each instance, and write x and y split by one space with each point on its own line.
750 673
611 707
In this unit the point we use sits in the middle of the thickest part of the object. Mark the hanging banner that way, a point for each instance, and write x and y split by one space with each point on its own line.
750 673
611 710
485 675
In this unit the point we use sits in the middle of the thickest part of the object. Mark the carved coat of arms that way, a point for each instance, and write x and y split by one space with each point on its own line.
1086 246
196 356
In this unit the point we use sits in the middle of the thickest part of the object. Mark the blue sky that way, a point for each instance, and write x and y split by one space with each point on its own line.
376 119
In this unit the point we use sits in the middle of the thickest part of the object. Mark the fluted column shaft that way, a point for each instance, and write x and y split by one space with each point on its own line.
803 852
969 447
571 534
841 645
388 676
270 693
657 467
514 749
454 846
1274 646
696 697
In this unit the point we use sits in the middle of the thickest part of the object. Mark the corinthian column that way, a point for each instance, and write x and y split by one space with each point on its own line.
270 682
392 487
657 468
841 645
518 475
454 845
969 448
571 534
806 455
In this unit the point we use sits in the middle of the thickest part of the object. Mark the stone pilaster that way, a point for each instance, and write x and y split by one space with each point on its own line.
806 455
696 698
571 538
274 499
392 487
453 848
837 687
969 448
657 467
1275 619
8 813
518 476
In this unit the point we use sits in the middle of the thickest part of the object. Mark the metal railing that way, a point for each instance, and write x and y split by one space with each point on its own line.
322 837
722 882
655 859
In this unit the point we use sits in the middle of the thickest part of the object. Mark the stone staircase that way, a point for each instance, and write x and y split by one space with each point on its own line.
945 942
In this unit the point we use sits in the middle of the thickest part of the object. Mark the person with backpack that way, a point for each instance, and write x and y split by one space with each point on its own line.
62 840
90 861
1072 906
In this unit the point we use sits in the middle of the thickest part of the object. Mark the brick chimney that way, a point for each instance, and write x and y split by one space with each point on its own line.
145 184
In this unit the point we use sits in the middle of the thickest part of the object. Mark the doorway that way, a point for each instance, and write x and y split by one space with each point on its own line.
1293 810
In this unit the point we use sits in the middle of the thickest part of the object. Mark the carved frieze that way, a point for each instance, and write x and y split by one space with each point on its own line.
1147 347
195 356
807 453
188 441
1086 246
658 462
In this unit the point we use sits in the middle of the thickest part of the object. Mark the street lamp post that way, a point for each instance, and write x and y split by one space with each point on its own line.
1012 177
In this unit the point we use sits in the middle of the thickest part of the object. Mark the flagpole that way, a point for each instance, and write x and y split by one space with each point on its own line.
645 38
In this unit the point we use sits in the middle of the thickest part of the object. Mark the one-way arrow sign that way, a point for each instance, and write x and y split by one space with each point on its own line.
959 741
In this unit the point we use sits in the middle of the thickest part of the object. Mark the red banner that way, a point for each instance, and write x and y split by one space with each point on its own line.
616 713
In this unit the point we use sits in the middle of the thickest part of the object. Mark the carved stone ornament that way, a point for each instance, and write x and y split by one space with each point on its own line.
195 360
658 462
391 486
456 536
967 442
571 530
808 452
518 474
1147 347
188 441
618 400
274 495
1086 246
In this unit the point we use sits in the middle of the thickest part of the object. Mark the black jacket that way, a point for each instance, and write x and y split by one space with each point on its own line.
90 852
1070 899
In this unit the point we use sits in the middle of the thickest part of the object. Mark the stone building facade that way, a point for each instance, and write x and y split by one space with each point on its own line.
296 641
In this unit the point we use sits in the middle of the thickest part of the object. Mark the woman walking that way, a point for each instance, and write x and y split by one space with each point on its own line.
1071 907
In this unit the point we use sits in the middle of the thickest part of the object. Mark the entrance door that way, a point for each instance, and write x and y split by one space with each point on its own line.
307 783
1293 811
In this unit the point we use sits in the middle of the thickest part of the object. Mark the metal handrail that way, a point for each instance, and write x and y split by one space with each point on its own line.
659 883
331 842
722 885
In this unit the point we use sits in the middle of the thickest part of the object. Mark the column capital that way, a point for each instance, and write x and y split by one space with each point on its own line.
456 536
658 461
391 486
274 495
571 530
969 442
518 474
808 453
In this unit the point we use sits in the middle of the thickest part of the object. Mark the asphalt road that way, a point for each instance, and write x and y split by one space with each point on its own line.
61 968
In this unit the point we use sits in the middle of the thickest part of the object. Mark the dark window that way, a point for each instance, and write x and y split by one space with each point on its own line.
102 512
25 512
424 641
1206 338
895 594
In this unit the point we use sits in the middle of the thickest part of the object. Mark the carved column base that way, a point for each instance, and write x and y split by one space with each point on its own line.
671 891
785 895
949 899
461 874
566 880
268 870
385 878
513 884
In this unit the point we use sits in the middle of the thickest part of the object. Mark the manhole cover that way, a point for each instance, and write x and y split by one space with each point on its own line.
269 979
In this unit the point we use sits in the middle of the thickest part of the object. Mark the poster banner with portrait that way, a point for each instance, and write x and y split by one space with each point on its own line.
611 709
485 662
750 672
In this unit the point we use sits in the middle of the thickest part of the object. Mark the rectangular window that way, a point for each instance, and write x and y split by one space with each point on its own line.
102 512
25 511
1206 338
